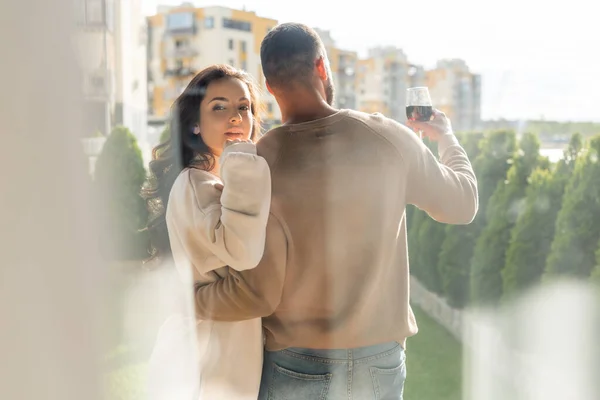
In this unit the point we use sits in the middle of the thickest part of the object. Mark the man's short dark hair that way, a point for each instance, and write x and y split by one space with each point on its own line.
288 53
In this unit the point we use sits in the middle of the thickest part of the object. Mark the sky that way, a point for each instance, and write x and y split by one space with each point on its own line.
537 60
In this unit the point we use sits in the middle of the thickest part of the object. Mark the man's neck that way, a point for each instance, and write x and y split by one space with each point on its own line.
301 116
303 106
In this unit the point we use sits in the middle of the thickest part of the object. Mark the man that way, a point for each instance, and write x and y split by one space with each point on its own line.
333 285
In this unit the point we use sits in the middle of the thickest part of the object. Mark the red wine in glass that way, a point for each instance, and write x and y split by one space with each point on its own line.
419 113
418 104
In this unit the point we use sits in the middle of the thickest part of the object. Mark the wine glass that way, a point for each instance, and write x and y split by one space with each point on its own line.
418 104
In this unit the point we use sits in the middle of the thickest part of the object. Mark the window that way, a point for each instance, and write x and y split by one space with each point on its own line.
95 13
179 64
209 22
243 44
270 107
230 44
180 21
244 66
238 25
231 62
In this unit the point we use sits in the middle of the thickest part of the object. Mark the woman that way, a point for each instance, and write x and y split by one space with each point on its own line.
210 196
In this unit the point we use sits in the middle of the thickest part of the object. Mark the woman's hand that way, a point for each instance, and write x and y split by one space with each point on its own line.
234 142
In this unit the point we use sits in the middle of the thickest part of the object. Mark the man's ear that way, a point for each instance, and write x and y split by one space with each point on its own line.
321 66
269 87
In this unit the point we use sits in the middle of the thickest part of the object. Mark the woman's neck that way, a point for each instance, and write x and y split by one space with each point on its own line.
216 168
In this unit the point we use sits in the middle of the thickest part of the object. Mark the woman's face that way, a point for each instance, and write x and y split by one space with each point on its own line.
225 113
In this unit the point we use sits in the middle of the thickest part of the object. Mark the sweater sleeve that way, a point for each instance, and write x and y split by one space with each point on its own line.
253 293
227 222
446 188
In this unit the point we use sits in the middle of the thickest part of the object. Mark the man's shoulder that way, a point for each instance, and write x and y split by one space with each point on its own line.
389 129
376 121
271 137
269 145
367 118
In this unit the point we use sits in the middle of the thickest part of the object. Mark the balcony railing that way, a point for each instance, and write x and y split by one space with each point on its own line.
181 52
180 72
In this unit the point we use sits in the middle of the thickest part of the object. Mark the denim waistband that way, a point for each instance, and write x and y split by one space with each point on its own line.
347 354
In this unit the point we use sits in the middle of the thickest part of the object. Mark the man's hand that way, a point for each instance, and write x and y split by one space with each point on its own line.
436 128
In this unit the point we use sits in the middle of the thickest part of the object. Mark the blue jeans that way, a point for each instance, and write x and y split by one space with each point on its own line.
366 373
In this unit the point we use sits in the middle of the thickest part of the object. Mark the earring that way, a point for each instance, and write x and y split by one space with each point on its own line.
196 130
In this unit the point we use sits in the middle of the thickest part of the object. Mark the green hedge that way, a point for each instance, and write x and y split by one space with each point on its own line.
119 176
537 221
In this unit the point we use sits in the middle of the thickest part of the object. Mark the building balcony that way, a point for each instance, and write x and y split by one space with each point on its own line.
183 31
182 52
180 72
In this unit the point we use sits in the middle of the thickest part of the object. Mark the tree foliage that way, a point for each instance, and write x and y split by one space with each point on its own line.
573 249
119 177
505 207
532 236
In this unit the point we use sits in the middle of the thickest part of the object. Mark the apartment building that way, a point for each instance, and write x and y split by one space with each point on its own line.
111 46
382 79
456 91
131 84
95 41
183 40
343 65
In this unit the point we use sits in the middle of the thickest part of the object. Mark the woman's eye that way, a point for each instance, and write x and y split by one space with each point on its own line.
218 107
244 108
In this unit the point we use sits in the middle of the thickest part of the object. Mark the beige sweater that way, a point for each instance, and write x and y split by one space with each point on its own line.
212 232
335 269
209 229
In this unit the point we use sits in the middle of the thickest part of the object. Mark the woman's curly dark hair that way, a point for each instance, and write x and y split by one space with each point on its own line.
184 149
